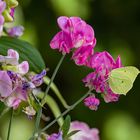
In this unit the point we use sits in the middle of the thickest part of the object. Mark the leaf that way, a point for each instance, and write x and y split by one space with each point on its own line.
72 133
56 91
25 50
53 106
121 79
66 126
3 109
2 106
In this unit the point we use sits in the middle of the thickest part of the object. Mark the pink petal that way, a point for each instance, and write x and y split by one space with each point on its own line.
2 6
61 41
23 67
64 23
81 55
5 84
13 54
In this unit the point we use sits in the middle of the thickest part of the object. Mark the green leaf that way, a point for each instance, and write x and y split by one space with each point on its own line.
25 50
66 126
53 106
72 133
56 91
3 109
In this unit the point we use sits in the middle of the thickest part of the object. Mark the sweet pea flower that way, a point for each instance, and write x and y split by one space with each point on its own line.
5 85
92 102
15 87
16 31
11 58
102 63
55 136
85 133
75 35
82 54
2 8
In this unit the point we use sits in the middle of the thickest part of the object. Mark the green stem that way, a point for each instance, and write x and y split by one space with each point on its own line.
43 99
66 111
10 124
52 78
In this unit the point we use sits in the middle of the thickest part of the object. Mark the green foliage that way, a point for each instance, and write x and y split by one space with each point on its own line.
121 79
71 134
25 50
66 126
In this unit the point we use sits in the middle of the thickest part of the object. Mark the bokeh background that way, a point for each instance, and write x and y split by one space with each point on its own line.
117 28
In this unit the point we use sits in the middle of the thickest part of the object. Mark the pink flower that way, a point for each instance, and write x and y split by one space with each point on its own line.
82 54
12 12
55 136
103 63
5 85
85 132
92 102
2 8
11 58
16 31
75 34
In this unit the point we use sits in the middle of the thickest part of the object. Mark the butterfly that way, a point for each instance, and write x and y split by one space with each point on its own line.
121 79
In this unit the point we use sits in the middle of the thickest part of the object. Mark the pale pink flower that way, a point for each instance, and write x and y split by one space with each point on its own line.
85 132
16 31
5 85
11 58
2 8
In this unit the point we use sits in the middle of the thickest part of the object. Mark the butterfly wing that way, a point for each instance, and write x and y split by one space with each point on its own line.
121 79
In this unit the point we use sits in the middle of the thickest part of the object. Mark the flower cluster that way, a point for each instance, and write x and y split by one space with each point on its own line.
75 35
7 10
15 82
84 132
78 36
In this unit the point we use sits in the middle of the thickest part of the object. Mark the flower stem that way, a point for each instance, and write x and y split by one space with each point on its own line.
66 111
10 124
52 78
43 99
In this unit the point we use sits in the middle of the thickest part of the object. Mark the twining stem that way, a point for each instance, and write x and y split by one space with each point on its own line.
43 99
10 124
66 111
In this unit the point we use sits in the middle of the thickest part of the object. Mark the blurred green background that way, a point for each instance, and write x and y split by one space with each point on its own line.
117 27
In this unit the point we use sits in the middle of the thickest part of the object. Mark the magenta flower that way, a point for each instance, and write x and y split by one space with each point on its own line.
82 54
85 132
16 31
75 34
92 102
102 63
12 12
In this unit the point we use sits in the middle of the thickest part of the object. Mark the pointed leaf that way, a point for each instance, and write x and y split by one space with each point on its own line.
66 126
25 50
72 133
